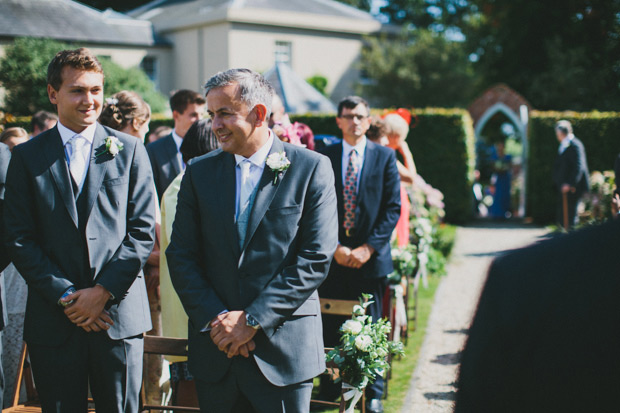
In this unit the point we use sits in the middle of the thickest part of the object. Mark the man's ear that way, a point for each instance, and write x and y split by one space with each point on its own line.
135 124
261 114
175 115
52 94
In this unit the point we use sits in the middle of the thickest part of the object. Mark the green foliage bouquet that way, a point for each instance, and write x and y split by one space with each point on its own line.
405 263
362 355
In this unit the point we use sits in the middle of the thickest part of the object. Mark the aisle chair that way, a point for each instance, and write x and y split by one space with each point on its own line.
341 308
164 346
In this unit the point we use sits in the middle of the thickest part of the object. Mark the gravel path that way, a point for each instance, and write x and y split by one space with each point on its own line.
432 385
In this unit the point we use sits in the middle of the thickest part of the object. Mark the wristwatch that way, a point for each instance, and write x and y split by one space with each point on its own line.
251 322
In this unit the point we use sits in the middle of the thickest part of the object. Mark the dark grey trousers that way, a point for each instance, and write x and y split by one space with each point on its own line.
244 389
113 368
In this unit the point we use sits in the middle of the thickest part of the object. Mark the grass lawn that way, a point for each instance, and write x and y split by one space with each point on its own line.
403 369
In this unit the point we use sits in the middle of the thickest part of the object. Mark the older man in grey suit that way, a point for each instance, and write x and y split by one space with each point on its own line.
255 230
79 217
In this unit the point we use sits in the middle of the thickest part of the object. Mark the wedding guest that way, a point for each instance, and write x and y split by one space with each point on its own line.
42 121
368 190
397 132
127 112
5 157
377 132
187 107
296 133
570 173
545 337
80 236
246 259
158 133
12 137
199 140
502 181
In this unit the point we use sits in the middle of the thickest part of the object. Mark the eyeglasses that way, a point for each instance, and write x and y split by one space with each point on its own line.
351 117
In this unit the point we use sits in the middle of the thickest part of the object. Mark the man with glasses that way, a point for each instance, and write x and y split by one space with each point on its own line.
368 191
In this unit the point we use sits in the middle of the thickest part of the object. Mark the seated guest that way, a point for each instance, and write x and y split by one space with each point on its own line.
42 121
199 140
127 112
545 336
12 137
296 133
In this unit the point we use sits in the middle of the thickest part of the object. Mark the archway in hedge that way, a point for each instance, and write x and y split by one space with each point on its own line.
502 100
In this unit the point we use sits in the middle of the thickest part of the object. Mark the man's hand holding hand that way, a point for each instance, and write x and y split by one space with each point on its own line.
231 335
343 256
87 309
361 255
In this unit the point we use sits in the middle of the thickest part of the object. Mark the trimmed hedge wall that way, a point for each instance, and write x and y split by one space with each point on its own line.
443 147
600 134
442 144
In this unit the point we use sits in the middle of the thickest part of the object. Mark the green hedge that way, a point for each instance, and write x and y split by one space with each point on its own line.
599 132
443 147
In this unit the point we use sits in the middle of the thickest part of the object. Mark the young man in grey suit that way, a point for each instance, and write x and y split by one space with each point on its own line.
79 217
187 107
255 230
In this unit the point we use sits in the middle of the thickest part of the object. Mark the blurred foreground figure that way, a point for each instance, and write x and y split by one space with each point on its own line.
546 337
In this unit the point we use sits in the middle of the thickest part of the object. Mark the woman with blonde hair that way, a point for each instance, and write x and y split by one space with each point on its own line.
397 130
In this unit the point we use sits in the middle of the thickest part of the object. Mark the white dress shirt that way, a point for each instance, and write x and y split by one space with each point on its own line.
178 141
88 134
565 143
257 167
346 155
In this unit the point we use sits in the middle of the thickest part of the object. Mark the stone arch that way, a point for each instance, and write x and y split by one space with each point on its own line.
501 98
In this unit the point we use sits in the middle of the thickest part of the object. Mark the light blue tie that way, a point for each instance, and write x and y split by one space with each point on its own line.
246 202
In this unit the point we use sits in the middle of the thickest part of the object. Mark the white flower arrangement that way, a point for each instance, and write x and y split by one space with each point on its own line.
112 146
278 163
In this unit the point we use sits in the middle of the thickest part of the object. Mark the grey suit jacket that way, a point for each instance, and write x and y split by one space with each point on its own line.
53 250
163 155
5 157
291 237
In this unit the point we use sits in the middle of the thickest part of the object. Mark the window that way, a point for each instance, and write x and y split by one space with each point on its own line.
149 66
284 52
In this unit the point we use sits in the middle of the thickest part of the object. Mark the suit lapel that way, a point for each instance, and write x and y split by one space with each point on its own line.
173 153
265 192
226 177
55 154
370 158
96 170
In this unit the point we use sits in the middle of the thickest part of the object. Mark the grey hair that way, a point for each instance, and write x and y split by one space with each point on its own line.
255 89
564 126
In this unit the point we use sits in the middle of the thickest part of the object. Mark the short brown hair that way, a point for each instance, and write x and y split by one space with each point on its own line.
14 132
81 58
123 107
180 99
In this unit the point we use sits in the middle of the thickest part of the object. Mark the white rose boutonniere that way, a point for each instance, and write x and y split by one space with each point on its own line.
112 146
278 163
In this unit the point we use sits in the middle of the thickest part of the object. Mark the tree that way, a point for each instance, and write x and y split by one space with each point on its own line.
422 68
438 15
23 75
319 83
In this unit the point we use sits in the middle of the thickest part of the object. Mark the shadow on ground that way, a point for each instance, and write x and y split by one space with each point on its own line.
448 359
444 395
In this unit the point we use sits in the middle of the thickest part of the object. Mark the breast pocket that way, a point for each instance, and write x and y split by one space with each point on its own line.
116 181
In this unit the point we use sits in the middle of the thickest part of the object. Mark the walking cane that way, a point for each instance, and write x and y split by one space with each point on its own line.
565 209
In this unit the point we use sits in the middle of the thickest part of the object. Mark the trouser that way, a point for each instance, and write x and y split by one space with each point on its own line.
112 368
348 285
244 389
1 373
572 204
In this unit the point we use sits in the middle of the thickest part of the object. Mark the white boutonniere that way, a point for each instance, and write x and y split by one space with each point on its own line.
278 163
112 146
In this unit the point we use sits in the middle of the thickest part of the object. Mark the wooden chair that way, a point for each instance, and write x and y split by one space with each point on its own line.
24 377
165 346
340 308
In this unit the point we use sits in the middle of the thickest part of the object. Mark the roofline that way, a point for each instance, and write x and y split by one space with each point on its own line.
293 20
